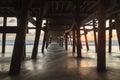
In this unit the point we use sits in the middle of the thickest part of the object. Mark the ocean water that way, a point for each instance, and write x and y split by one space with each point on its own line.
30 43
29 46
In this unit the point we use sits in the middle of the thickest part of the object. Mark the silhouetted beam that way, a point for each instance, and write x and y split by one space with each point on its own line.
37 37
61 24
73 39
59 17
95 37
94 15
86 40
62 42
32 20
18 50
101 55
59 0
110 36
8 29
79 45
31 27
47 41
44 41
113 12
90 17
78 25
66 41
70 29
4 36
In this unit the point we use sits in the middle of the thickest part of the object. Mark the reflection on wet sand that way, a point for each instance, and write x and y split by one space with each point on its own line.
58 64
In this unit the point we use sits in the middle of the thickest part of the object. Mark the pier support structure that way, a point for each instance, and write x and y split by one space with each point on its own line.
73 40
95 37
110 36
78 25
18 51
44 40
101 55
37 37
66 41
47 41
86 40
4 36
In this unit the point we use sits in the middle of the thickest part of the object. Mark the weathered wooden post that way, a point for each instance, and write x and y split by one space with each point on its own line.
66 41
37 37
74 39
86 40
22 16
95 37
78 25
44 40
101 55
61 42
4 35
47 41
38 30
110 35
79 46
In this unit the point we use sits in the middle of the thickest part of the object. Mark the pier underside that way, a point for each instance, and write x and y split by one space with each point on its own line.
59 64
60 22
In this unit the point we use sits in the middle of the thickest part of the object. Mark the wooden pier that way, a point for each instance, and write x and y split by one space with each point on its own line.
63 18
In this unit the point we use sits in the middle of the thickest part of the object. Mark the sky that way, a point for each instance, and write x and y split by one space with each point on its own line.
12 21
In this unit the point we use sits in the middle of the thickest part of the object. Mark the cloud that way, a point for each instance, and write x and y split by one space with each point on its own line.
11 21
1 21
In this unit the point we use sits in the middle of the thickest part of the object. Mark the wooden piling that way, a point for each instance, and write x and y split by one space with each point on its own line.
4 36
78 25
79 46
95 37
110 36
61 42
101 56
44 41
22 16
66 41
47 41
86 40
19 44
73 40
37 37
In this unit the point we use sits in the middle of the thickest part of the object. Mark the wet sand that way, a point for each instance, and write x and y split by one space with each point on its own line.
58 64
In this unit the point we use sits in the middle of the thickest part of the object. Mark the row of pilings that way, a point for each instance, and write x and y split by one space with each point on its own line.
19 46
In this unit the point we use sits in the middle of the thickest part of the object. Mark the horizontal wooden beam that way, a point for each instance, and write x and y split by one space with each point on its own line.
8 29
11 29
